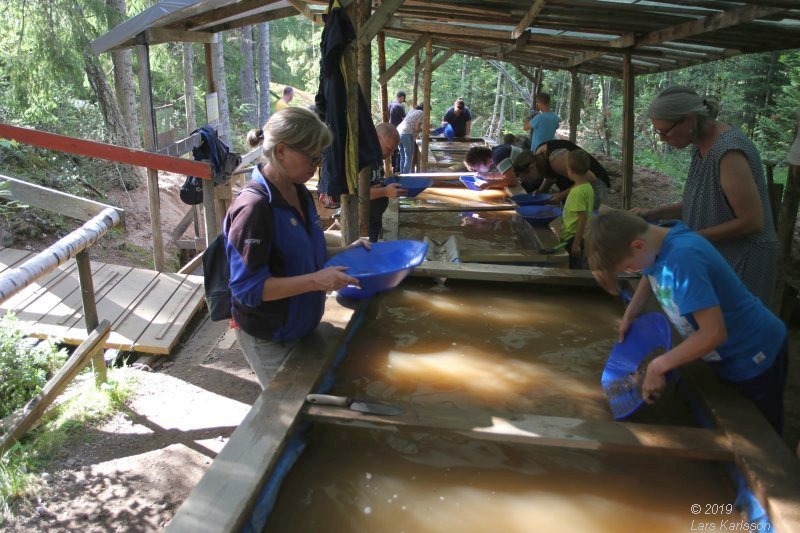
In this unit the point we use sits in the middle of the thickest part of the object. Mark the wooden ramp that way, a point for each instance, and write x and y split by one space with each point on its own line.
147 310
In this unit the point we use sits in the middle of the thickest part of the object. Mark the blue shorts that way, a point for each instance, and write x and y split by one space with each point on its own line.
766 389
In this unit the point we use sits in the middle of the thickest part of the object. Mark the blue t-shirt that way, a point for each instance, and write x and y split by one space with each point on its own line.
689 275
544 126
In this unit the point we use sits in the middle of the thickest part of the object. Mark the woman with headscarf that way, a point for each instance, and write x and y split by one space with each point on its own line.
725 197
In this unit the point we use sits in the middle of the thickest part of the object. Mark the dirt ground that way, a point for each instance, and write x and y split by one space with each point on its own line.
133 472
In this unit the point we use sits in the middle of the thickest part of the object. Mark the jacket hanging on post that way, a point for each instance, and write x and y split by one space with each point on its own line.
339 171
223 162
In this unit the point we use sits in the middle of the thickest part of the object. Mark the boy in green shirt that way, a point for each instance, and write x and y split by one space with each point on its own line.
578 207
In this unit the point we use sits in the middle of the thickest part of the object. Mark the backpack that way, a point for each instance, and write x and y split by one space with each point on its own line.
217 273
192 191
223 163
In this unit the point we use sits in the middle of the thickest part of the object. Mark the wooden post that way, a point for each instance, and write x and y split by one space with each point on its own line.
627 131
426 99
349 218
90 312
387 162
149 128
209 201
774 192
574 106
351 79
416 78
787 220
364 54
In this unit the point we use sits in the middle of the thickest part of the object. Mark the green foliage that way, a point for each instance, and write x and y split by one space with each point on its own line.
25 366
82 405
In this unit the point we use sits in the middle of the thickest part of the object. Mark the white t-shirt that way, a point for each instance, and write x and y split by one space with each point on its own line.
410 124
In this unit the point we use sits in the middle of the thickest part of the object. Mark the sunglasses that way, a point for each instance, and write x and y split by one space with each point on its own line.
665 132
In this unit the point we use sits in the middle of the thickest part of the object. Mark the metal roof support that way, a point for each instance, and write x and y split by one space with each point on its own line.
628 80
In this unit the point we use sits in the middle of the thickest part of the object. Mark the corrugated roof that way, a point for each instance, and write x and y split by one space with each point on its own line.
586 35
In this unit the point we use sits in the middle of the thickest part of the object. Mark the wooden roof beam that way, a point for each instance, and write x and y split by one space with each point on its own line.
403 59
159 36
718 21
524 71
302 8
625 41
534 10
378 20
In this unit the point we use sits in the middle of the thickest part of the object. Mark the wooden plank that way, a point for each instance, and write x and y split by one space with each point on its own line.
537 430
426 97
441 58
223 499
163 331
415 47
160 35
521 256
509 273
534 10
116 302
109 152
36 289
61 296
11 257
770 468
183 146
717 21
64 320
55 201
457 208
378 20
17 425
131 325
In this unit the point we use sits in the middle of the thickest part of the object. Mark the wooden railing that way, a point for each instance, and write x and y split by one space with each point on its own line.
12 281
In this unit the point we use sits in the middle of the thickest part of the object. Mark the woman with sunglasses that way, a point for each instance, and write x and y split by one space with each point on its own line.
276 246
725 197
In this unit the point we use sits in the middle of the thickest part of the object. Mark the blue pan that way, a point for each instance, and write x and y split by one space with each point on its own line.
473 183
379 269
413 185
649 332
539 215
530 199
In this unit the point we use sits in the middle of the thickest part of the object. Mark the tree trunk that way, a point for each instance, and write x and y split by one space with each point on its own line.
490 130
123 77
222 94
463 75
248 79
263 73
188 87
502 116
605 132
112 116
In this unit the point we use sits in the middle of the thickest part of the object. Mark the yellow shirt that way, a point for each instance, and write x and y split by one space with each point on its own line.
280 105
579 199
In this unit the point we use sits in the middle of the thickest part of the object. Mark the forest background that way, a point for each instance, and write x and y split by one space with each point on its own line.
49 80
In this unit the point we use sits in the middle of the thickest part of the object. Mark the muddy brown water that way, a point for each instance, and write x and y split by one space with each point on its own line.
489 347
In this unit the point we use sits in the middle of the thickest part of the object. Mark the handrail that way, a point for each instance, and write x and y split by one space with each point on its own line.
14 280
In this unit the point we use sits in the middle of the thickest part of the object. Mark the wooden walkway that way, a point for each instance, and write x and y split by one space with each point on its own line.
147 310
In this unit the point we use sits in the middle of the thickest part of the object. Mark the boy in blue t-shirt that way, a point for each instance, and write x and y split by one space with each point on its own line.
544 124
721 321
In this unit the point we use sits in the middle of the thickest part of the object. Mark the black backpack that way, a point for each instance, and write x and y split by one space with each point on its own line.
217 273
223 163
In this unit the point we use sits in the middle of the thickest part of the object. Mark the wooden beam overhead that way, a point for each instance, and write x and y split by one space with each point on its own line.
378 20
718 21
441 58
403 59
303 9
524 71
534 10
159 36
625 41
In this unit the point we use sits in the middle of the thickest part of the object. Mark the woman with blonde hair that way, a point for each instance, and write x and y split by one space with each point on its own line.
276 246
725 197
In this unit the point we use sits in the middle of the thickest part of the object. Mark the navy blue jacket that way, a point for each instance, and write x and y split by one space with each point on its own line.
271 239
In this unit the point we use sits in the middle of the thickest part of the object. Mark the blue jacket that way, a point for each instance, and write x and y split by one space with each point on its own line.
269 238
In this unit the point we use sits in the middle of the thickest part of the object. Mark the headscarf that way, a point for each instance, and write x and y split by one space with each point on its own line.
674 103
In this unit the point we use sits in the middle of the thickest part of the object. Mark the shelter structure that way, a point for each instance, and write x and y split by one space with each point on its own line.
621 38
